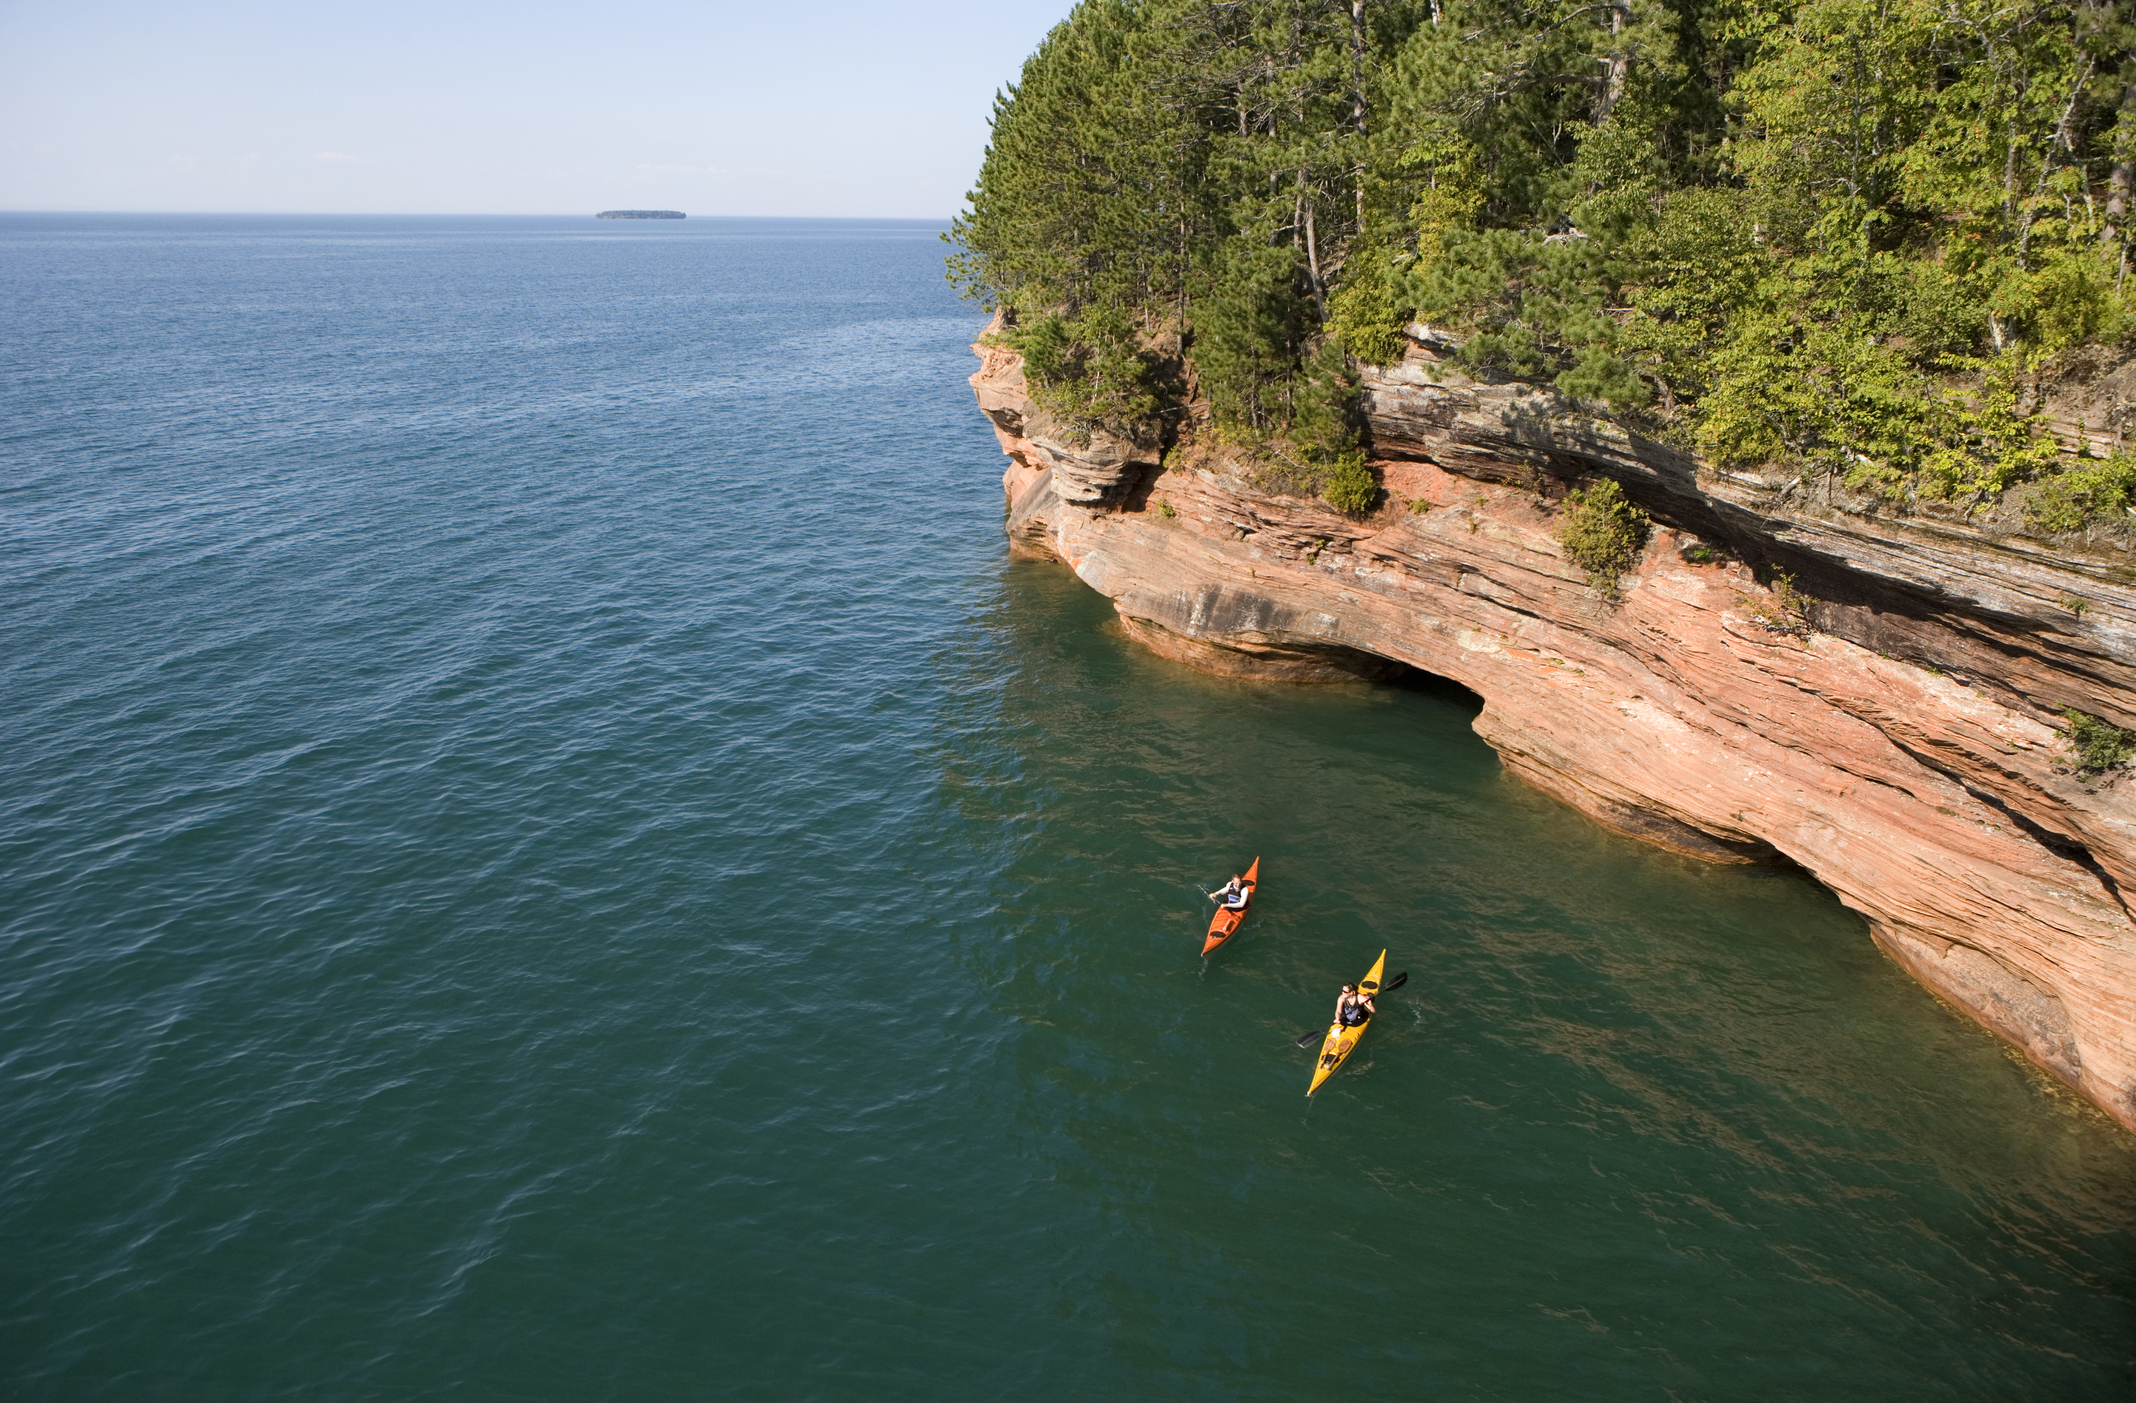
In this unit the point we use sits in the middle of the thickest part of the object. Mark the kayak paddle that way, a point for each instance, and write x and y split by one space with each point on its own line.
1389 987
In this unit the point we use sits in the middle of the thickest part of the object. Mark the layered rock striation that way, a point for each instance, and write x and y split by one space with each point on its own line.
1890 722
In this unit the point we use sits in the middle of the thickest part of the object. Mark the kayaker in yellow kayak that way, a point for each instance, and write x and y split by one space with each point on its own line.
1353 1008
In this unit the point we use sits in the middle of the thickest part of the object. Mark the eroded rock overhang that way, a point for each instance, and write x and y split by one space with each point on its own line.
1897 739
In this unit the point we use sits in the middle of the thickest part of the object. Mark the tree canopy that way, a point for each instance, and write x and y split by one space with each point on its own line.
1837 234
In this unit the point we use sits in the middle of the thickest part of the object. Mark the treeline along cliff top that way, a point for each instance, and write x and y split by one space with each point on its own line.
1864 239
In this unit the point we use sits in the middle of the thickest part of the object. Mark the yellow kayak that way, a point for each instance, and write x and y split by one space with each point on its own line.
1341 1041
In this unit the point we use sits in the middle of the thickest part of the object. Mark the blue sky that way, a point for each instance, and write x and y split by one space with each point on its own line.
839 109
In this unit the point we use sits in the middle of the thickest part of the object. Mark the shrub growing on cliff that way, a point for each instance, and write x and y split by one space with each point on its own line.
1785 610
2099 745
1350 487
1089 367
1602 533
2084 497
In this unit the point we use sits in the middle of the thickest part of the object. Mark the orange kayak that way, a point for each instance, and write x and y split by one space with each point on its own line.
1225 924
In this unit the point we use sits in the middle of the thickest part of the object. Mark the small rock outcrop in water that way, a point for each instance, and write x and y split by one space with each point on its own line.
1888 717
641 214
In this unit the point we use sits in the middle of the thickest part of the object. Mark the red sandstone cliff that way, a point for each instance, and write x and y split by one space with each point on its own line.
1899 743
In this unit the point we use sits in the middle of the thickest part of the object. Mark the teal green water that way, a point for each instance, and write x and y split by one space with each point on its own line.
548 854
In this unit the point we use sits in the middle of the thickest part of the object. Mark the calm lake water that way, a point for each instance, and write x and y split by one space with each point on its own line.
547 853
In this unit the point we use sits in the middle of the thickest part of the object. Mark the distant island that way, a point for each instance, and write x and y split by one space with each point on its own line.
641 214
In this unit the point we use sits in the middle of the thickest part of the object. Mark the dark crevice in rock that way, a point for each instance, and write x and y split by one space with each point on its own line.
1136 484
1272 661
1431 684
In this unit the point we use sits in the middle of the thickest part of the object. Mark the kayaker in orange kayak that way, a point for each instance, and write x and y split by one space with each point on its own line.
1231 900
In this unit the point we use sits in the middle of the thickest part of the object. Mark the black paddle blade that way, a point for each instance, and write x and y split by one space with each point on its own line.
1308 1039
1395 983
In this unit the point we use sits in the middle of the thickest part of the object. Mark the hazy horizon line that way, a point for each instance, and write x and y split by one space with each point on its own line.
473 214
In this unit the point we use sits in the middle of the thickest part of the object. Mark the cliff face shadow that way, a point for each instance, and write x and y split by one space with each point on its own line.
1415 681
